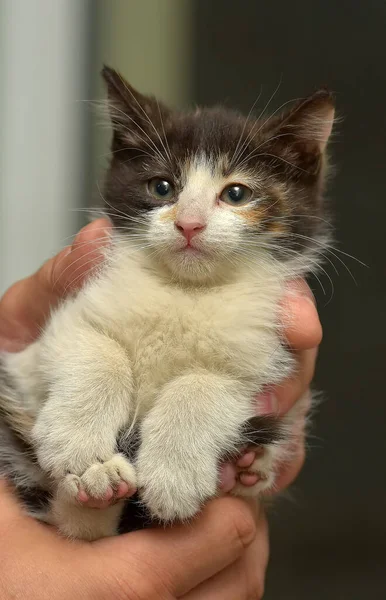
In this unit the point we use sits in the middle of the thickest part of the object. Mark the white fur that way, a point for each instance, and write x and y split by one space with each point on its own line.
180 342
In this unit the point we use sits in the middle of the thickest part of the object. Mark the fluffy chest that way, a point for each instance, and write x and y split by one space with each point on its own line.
168 331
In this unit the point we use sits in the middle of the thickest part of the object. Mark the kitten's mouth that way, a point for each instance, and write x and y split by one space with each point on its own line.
189 249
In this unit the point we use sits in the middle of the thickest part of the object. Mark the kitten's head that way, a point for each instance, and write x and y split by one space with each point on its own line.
203 191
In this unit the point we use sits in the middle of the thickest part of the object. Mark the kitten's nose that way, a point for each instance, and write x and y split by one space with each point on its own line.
189 228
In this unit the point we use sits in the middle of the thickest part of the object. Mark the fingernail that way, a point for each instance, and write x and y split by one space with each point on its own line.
267 403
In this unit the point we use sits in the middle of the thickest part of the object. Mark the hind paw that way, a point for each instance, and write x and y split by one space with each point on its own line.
252 473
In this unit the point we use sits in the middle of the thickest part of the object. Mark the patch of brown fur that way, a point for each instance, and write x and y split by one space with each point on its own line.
253 215
275 205
169 215
276 227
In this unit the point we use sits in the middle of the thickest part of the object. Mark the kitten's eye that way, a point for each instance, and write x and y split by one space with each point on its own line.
236 194
161 189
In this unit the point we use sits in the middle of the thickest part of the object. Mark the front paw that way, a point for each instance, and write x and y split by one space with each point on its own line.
176 492
101 485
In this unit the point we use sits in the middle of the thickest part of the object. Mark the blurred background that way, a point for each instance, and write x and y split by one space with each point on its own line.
329 535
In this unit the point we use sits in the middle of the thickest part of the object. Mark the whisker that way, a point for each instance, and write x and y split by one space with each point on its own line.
249 136
168 152
332 250
276 157
145 113
150 143
235 153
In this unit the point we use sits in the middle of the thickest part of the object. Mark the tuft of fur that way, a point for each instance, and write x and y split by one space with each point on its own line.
173 338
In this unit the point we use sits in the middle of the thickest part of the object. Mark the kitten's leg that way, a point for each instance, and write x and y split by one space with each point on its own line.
196 419
257 470
89 401
102 520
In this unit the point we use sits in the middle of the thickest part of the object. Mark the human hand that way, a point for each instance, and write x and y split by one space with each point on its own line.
222 555
25 307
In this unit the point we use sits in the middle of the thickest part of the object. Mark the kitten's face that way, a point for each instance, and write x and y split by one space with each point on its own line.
203 192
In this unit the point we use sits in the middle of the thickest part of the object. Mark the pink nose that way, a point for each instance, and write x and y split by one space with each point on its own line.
189 228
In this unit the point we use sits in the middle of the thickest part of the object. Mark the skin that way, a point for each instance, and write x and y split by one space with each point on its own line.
183 561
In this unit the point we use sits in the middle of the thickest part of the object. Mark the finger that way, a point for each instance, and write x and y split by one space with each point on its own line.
300 317
242 580
27 304
65 274
280 399
292 389
184 556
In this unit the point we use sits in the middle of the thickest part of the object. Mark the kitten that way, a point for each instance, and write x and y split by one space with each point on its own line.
179 330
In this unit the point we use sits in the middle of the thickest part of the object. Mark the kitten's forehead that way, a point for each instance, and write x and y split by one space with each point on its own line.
202 176
212 169
215 133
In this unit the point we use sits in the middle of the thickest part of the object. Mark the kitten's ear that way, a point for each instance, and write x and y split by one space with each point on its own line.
134 116
309 123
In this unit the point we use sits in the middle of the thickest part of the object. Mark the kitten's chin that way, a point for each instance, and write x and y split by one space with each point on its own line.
191 266
194 266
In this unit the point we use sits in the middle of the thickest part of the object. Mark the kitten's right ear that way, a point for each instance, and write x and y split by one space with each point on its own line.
307 124
134 116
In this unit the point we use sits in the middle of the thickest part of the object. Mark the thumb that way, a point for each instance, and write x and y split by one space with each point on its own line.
27 304
181 557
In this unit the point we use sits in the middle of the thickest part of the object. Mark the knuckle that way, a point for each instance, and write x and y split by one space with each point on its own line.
242 523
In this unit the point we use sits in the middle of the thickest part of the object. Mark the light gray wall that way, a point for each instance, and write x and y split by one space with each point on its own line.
42 121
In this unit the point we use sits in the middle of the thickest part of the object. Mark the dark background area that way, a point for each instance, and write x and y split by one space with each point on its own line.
329 535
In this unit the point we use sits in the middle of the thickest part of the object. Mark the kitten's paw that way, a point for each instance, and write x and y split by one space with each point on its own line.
177 494
102 484
254 472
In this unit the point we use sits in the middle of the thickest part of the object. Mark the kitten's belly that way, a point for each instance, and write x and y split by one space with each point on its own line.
184 342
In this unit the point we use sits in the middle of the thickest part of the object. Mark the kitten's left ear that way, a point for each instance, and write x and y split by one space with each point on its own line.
309 123
134 116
